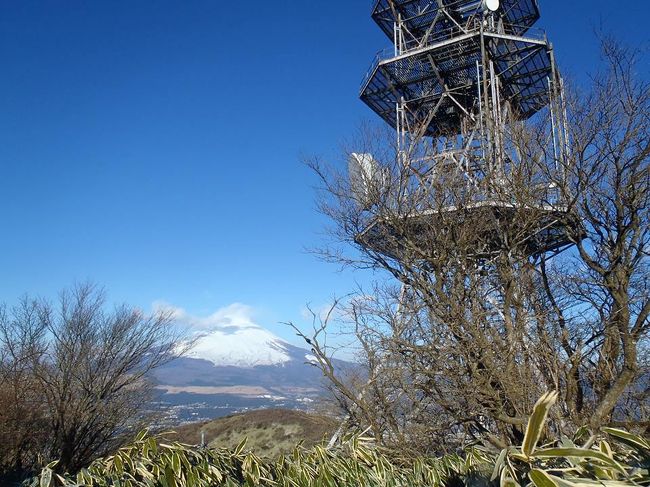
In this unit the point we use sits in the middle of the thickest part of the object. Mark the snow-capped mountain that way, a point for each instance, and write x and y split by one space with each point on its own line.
243 345
234 364
241 355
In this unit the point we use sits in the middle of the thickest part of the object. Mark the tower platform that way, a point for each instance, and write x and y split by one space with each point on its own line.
441 79
525 231
428 20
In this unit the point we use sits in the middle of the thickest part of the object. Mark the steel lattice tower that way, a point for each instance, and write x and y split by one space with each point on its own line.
460 73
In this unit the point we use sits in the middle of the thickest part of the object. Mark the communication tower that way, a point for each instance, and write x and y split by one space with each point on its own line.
459 75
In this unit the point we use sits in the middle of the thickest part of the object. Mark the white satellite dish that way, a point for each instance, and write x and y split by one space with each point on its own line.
492 5
365 179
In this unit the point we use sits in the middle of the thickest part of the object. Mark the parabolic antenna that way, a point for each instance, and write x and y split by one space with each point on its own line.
492 5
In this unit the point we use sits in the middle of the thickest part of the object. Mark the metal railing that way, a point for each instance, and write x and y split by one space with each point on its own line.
413 45
379 57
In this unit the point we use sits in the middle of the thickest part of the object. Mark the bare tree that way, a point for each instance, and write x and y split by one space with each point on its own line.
481 323
609 176
84 370
23 429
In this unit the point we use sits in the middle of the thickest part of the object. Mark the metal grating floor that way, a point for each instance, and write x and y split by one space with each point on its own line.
425 77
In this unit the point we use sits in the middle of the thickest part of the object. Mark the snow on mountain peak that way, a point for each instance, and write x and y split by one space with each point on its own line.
230 337
240 346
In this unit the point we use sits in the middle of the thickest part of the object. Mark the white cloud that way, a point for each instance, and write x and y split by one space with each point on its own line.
236 314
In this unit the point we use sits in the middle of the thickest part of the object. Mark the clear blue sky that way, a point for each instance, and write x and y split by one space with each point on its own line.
154 146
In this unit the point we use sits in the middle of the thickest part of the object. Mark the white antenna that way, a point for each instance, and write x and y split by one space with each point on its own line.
365 179
491 5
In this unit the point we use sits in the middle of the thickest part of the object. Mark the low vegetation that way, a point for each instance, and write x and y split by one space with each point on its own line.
612 458
268 432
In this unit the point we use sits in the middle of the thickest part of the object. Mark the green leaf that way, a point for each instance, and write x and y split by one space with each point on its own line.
152 445
141 435
144 473
606 449
249 471
119 465
499 464
636 442
541 478
215 473
240 447
590 483
579 453
176 463
46 478
536 422
169 477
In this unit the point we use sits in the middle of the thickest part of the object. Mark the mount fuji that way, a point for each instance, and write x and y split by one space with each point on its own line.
235 365
247 345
